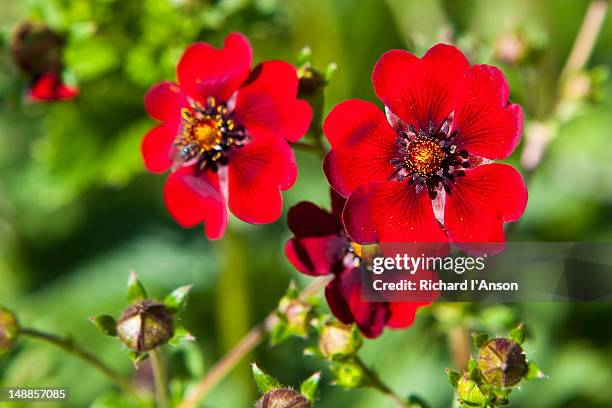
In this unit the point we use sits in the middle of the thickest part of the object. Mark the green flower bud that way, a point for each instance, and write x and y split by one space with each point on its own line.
502 362
298 315
469 392
348 374
337 340
145 325
283 398
9 330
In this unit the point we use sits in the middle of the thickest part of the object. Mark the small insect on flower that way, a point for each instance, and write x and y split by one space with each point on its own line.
421 171
224 134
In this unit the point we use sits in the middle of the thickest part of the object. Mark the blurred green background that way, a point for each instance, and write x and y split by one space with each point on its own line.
78 211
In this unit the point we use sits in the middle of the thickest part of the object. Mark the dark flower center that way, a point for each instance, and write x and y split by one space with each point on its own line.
206 136
428 159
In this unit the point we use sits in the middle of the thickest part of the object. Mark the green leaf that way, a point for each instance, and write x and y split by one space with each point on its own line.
176 300
480 339
453 377
292 291
180 335
106 324
313 351
533 372
265 383
518 334
135 290
310 387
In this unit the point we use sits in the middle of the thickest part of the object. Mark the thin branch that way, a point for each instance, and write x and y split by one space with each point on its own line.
377 383
587 36
72 348
225 365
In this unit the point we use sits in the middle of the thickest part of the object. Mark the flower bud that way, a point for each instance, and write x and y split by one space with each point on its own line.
338 340
502 362
298 315
510 48
145 325
9 330
310 80
37 49
469 392
283 398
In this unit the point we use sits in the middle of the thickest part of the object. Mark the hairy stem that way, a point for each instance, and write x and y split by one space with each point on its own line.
376 383
235 355
159 374
71 347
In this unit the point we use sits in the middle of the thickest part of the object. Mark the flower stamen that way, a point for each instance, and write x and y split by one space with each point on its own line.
206 135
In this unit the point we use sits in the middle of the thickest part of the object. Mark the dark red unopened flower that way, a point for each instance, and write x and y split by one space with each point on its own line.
422 170
37 51
320 247
225 133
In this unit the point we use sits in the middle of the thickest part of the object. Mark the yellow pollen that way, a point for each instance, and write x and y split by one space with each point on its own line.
356 248
424 156
207 135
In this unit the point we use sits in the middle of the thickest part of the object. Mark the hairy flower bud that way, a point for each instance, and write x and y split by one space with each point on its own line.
283 398
298 315
145 325
9 330
502 362
338 340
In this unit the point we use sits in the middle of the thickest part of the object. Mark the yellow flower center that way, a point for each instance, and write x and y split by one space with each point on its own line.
424 156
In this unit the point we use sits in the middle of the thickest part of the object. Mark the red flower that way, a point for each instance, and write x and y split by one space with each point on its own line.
423 171
224 133
321 247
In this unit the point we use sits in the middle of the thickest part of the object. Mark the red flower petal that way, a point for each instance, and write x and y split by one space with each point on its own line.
481 201
156 147
48 88
391 212
402 314
488 125
317 256
362 143
267 101
308 220
207 71
164 101
257 172
344 292
192 199
420 90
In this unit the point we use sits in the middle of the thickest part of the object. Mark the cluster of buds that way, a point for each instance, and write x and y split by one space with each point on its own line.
275 395
500 366
9 330
146 324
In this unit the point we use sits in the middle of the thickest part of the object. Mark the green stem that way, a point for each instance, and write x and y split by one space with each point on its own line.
376 383
71 347
159 374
